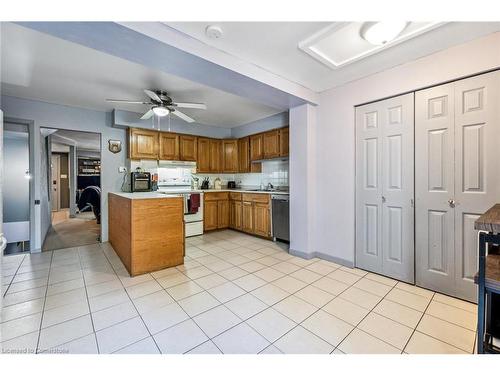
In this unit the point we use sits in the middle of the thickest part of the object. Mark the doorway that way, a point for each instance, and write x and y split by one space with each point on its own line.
73 177
16 187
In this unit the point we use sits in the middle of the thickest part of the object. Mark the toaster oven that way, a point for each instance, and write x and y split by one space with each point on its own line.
140 181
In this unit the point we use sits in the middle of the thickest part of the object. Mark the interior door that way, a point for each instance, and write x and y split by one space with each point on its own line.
477 169
369 187
434 187
398 188
384 187
55 186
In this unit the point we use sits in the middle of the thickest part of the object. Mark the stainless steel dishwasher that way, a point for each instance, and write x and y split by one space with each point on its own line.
281 216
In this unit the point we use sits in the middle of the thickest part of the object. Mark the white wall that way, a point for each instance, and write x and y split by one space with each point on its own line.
302 180
335 138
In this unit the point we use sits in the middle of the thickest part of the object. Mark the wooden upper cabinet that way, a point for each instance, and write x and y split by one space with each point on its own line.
256 147
230 155
143 144
169 146
271 144
284 141
215 155
203 158
188 147
244 155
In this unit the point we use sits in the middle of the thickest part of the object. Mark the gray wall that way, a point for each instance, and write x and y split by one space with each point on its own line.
16 187
72 118
279 120
132 119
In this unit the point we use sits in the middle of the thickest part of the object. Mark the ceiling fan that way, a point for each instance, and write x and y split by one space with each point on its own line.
161 105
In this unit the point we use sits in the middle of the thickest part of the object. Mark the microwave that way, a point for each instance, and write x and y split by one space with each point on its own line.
140 181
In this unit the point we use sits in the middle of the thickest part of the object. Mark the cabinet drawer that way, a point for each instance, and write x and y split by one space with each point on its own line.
258 198
235 196
216 196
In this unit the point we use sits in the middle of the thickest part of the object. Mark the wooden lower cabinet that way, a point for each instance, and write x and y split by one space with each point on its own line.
261 219
247 217
210 216
222 214
235 214
246 212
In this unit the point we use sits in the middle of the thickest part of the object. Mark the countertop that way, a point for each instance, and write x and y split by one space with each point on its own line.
490 220
175 193
145 195
228 190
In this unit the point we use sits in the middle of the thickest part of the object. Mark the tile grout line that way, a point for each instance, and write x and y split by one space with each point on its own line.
15 274
133 304
44 302
356 326
88 302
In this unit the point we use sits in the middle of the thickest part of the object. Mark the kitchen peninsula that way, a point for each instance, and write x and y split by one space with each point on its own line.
147 230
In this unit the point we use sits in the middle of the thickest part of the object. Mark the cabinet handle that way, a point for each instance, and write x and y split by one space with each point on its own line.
383 199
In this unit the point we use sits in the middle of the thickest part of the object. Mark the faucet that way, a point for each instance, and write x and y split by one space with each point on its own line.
269 186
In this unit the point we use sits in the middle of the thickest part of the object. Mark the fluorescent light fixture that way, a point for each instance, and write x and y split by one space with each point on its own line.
161 111
380 33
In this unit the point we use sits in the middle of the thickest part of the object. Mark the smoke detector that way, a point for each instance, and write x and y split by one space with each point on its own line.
213 32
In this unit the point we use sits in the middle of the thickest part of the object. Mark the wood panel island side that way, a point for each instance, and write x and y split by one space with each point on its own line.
146 230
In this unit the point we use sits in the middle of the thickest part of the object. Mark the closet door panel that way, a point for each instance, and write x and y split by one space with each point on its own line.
434 187
397 187
477 169
368 188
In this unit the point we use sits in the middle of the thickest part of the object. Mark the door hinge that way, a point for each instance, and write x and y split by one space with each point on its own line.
412 203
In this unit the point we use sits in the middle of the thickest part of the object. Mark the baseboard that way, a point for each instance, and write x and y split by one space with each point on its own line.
327 257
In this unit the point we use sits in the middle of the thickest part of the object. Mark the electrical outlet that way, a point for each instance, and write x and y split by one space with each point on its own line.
122 169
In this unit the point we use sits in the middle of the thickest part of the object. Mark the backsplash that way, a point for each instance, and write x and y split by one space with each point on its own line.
273 171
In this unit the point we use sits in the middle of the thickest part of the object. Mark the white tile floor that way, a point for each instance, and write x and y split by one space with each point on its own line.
234 294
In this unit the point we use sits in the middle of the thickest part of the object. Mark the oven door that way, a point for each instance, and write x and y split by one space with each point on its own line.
189 217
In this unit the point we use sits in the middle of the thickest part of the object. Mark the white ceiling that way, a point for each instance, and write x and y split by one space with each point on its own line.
274 47
41 67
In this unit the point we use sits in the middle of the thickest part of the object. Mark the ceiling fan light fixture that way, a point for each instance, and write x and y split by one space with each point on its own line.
161 111
380 33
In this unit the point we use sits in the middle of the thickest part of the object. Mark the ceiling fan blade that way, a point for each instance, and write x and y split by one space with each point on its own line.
153 95
182 116
147 115
125 101
190 105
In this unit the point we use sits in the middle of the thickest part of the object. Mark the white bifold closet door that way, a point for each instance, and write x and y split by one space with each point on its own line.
457 168
384 187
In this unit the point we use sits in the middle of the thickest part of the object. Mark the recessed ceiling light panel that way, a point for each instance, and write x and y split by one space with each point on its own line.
343 43
380 33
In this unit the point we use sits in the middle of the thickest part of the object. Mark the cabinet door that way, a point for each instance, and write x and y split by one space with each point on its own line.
169 146
210 217
284 141
261 220
230 156
143 144
203 157
223 214
244 155
232 214
247 217
271 144
215 155
188 147
238 206
256 152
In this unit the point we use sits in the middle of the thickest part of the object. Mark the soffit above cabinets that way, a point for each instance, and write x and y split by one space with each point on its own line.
342 43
